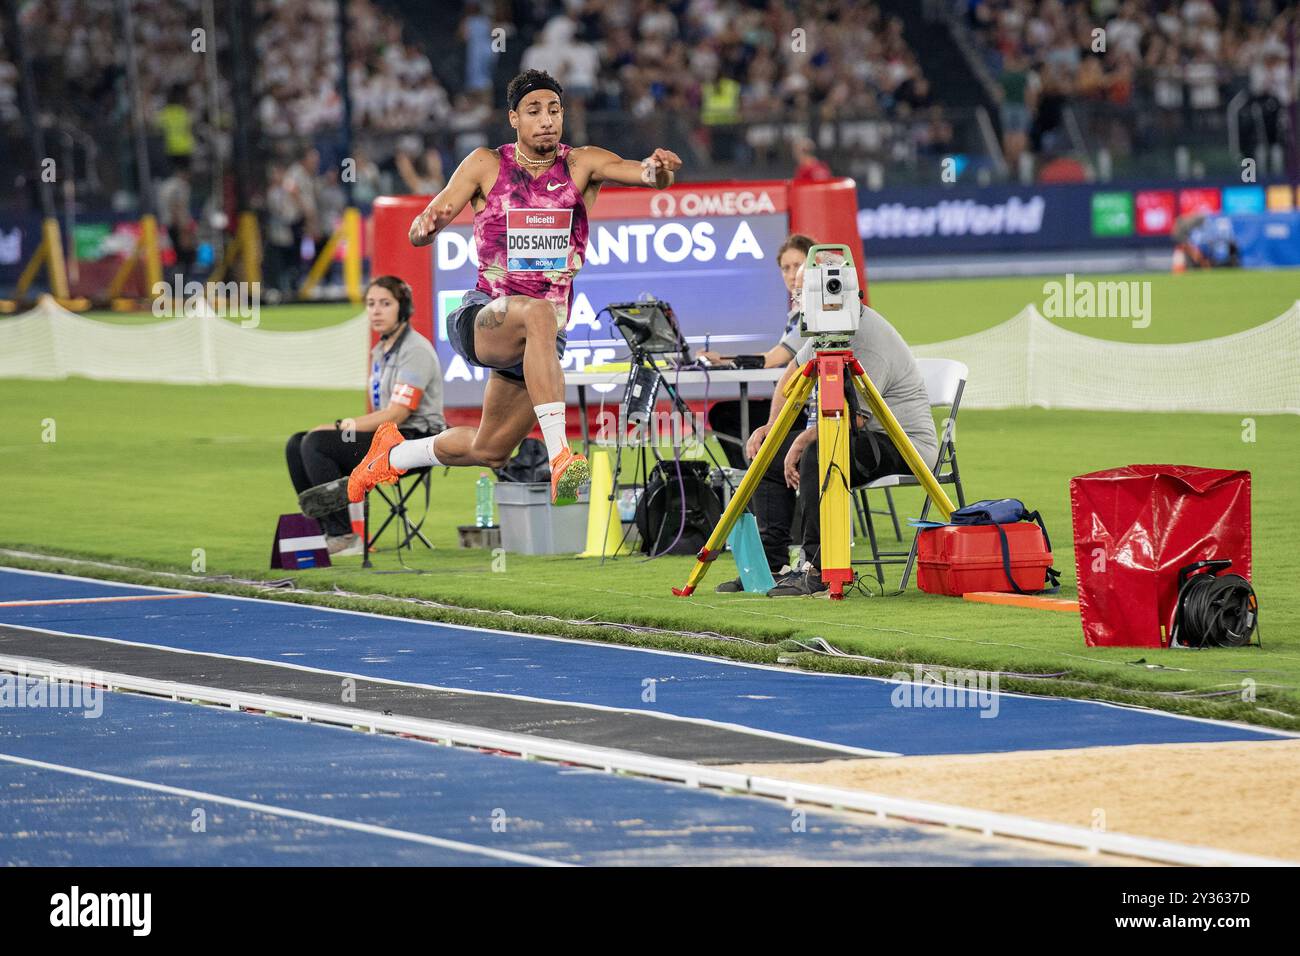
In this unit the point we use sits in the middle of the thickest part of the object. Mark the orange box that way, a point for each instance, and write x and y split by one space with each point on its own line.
1279 199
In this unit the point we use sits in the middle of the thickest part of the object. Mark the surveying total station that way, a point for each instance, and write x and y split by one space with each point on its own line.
831 303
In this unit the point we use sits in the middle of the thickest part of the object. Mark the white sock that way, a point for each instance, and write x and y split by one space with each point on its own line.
551 417
414 453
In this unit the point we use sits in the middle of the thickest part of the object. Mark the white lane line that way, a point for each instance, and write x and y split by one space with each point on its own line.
367 828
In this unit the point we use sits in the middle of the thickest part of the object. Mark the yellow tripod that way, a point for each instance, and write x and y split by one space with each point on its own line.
827 367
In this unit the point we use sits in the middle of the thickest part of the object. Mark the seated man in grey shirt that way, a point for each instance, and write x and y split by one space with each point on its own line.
890 365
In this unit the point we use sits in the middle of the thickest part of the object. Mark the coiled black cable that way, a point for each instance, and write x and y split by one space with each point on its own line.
1214 610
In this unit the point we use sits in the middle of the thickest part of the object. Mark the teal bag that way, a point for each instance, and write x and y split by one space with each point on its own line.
747 548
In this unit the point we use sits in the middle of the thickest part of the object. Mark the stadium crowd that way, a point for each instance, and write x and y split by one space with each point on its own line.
391 80
710 64
731 75
79 62
1182 59
757 84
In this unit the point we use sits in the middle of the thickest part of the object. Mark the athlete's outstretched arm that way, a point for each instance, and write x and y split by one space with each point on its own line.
446 206
655 171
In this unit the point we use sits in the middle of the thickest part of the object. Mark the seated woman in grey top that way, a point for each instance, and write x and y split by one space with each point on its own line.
405 387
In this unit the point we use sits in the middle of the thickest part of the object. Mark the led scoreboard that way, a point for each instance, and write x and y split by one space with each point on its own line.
709 249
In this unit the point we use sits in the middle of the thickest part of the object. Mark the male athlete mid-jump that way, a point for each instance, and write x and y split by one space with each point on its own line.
531 199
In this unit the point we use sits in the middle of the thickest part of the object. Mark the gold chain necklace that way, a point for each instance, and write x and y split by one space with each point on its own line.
535 163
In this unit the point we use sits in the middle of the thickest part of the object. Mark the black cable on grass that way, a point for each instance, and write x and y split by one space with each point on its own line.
862 585
818 645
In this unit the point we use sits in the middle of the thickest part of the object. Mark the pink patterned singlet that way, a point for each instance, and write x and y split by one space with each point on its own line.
532 233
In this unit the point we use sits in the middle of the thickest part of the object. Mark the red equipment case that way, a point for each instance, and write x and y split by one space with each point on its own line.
956 559
1135 527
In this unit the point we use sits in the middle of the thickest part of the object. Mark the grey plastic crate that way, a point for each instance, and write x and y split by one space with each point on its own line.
530 524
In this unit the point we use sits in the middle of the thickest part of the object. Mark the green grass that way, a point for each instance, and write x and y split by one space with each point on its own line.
144 474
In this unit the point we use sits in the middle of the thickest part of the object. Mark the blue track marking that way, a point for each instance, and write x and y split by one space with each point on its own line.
550 813
848 711
16 586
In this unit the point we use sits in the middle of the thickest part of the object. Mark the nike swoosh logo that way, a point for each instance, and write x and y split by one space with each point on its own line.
551 187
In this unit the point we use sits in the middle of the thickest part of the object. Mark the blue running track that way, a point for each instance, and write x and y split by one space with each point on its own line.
852 712
123 789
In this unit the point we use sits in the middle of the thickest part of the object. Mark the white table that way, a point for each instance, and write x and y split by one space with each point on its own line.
611 379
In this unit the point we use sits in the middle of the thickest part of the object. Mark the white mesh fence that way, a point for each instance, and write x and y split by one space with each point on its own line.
52 343
1025 361
1028 361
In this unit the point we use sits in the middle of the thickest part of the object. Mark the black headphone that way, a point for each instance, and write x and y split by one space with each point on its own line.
405 301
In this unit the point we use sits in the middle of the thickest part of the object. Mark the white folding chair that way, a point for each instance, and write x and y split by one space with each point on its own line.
945 380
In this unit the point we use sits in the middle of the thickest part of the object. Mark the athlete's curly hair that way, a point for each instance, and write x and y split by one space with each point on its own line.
526 77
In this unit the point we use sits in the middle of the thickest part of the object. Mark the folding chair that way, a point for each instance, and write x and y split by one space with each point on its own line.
889 512
945 380
397 496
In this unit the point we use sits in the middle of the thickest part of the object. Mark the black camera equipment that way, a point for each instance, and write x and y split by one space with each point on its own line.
650 328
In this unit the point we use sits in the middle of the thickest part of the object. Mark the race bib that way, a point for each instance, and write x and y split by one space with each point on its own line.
537 240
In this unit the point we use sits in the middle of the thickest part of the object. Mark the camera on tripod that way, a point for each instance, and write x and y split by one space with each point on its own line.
830 296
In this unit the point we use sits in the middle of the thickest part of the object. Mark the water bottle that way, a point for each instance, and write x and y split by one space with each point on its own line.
627 505
483 502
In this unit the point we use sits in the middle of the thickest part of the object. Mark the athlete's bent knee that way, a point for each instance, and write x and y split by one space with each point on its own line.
539 317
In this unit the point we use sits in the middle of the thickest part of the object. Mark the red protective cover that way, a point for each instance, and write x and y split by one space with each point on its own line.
1135 527
958 558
